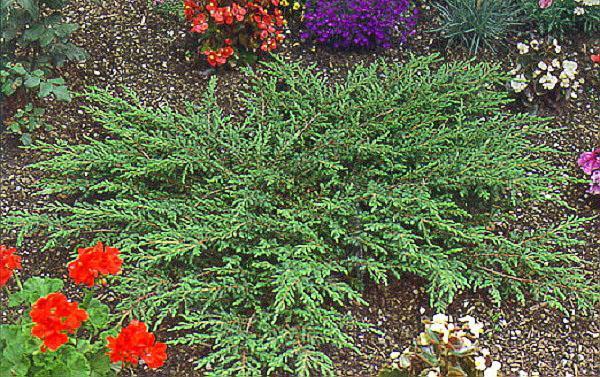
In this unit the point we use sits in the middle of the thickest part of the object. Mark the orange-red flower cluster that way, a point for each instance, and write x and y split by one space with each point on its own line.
93 262
8 263
55 317
595 58
133 343
231 24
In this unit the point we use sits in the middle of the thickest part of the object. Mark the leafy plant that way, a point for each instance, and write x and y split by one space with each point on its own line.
589 162
445 349
34 39
250 231
44 340
477 23
359 24
234 30
20 350
16 76
36 30
562 16
172 8
25 121
544 70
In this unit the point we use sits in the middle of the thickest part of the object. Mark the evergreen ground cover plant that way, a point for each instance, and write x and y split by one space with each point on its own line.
251 233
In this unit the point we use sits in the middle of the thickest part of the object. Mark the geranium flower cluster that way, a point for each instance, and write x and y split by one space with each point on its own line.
542 68
94 262
228 28
452 345
55 317
359 23
133 343
9 262
590 164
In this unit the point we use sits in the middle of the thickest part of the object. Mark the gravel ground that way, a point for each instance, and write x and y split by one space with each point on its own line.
130 45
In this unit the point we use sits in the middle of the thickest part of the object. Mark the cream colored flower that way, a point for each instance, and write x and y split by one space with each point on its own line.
440 318
480 362
548 81
493 370
523 48
519 84
535 44
579 11
543 66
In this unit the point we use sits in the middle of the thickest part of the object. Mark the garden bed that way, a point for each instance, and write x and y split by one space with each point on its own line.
132 46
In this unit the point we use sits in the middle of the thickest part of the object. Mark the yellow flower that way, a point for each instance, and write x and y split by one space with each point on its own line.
284 3
297 5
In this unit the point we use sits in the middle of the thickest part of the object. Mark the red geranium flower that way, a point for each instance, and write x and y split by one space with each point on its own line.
595 58
93 262
133 343
8 263
55 317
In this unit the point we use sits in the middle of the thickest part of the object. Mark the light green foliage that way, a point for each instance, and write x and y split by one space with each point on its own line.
560 17
20 354
254 232
478 23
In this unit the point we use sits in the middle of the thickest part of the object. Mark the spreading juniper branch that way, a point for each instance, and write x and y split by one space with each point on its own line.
252 232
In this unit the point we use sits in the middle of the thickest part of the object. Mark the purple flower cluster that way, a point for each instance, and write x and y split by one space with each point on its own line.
359 23
590 164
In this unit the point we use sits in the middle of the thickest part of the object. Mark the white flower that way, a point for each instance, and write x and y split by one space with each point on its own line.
485 352
536 73
394 355
570 68
440 318
548 81
476 329
493 370
573 95
579 11
467 318
404 361
480 362
556 63
433 373
565 83
422 339
543 66
519 84
523 48
557 49
535 44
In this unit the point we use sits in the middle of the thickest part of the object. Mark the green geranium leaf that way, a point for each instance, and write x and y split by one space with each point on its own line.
33 289
32 82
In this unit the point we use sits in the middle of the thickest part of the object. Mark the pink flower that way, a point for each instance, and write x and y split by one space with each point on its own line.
589 161
545 3
595 185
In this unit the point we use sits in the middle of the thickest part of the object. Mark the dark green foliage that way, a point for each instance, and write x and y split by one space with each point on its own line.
36 29
252 231
33 40
478 23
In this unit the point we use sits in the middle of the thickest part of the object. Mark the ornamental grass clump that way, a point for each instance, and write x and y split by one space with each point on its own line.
252 233
359 23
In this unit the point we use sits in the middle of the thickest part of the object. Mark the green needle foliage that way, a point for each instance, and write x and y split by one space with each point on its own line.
478 23
252 233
